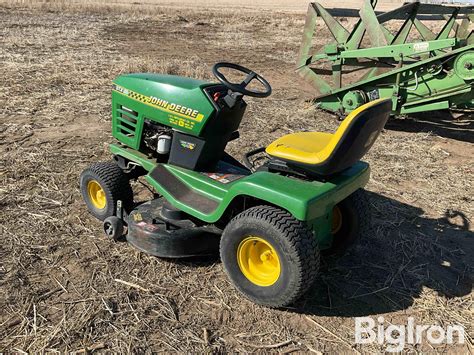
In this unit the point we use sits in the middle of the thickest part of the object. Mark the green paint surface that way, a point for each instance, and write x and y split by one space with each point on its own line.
310 201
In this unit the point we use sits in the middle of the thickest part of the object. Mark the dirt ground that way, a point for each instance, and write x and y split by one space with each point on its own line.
65 287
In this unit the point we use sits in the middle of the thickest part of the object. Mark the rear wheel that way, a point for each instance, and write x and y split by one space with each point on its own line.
102 185
270 257
351 219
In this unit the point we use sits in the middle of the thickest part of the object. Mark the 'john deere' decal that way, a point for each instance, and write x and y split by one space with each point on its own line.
161 104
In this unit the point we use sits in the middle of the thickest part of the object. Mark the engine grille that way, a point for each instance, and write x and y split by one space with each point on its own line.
127 121
126 125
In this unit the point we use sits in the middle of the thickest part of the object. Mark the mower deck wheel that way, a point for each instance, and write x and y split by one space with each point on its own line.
269 256
351 221
113 227
102 185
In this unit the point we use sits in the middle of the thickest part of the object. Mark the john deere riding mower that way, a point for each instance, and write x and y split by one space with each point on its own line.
269 222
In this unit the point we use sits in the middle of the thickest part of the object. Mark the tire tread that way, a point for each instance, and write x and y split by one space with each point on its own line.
303 244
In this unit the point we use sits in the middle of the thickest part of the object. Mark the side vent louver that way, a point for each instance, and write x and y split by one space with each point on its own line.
127 121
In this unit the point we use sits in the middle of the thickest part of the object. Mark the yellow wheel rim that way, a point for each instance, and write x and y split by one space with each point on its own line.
258 261
336 220
96 194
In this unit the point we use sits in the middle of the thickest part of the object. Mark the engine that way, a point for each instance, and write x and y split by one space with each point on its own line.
157 138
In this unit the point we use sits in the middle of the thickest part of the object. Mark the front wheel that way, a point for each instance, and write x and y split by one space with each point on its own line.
102 185
269 256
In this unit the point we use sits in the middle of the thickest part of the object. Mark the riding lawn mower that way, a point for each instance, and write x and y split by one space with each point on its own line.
270 221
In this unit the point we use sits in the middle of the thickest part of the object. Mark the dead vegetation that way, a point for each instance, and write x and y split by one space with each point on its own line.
65 287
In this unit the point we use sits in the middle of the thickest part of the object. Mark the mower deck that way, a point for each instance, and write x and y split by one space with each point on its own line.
150 231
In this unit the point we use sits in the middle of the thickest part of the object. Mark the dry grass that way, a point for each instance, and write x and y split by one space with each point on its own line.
64 287
295 6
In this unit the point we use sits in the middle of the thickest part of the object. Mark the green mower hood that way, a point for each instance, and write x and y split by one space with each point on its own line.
174 101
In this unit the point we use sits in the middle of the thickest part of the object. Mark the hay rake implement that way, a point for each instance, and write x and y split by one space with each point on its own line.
394 54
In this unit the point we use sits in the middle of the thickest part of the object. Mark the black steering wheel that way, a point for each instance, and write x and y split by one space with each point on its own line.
242 86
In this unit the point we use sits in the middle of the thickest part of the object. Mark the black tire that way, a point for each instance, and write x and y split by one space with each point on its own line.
294 244
356 222
113 227
115 185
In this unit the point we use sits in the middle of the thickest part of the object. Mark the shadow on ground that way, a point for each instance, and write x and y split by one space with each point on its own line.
387 271
458 126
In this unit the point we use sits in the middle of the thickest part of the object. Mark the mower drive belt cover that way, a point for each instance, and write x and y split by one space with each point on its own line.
154 234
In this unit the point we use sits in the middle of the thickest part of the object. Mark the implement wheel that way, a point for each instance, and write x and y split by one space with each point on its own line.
351 219
270 257
102 185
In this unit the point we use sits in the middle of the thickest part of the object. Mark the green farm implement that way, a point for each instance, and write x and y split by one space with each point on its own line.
396 55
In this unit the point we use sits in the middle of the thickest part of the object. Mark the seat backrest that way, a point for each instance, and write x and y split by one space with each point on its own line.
354 137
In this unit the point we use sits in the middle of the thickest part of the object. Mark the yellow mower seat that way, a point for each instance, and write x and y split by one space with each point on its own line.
327 153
